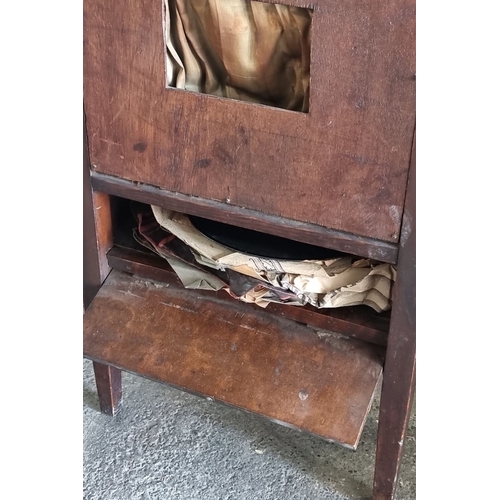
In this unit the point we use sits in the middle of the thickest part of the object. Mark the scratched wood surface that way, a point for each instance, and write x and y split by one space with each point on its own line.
343 165
248 359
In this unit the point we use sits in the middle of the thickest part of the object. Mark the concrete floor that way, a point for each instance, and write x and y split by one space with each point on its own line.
168 445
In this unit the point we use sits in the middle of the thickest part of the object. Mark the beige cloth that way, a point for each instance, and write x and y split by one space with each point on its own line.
240 49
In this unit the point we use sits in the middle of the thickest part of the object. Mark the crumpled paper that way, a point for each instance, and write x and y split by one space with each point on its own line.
343 281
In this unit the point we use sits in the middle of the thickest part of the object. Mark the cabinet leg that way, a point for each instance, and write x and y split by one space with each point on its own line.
399 369
395 407
108 380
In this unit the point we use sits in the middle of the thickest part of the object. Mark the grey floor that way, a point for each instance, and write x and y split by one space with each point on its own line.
169 445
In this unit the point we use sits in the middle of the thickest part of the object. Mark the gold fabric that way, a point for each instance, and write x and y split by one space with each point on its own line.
240 49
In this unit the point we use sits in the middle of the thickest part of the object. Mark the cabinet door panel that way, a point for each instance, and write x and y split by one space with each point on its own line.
342 165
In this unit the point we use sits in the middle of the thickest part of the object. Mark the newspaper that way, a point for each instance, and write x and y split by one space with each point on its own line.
338 282
197 276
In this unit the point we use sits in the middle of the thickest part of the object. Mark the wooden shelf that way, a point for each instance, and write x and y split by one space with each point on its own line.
265 364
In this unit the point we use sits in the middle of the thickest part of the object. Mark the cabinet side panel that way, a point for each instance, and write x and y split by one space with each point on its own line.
97 235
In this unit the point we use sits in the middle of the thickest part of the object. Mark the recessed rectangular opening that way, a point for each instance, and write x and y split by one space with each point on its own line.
239 49
360 322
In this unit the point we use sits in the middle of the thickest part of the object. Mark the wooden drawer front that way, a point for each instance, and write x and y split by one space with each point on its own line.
343 165
245 358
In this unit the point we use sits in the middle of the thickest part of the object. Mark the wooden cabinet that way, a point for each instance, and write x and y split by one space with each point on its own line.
341 176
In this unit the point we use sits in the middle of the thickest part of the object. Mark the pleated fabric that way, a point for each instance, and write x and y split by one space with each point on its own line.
239 49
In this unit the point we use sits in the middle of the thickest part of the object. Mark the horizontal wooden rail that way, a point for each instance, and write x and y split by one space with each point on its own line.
251 219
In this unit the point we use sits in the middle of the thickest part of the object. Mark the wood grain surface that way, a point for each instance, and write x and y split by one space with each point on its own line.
97 231
301 231
400 365
244 358
343 165
108 380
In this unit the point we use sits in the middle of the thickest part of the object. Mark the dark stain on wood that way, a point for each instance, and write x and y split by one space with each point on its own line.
220 150
203 163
